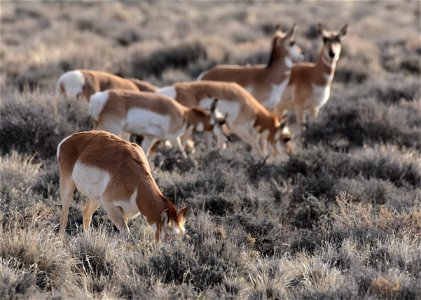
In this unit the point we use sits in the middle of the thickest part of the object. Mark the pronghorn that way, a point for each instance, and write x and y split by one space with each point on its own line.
115 173
265 82
243 114
156 117
309 86
84 83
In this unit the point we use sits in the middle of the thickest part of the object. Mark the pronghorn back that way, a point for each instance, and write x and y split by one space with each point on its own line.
84 83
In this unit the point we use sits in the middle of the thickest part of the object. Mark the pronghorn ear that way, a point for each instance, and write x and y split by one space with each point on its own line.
165 216
321 30
278 28
183 212
342 32
292 31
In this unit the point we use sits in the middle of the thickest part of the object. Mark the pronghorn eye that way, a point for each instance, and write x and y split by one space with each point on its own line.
291 43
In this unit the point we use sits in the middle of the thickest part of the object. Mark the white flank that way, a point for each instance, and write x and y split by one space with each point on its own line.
90 181
97 103
320 95
206 103
146 122
275 95
129 206
72 82
227 110
168 91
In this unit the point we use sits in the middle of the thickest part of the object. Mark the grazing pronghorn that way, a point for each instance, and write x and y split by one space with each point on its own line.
309 86
84 83
115 173
242 114
265 82
154 116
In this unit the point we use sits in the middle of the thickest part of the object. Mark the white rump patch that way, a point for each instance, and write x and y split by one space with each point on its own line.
201 75
97 103
72 82
145 122
129 206
169 91
90 181
59 146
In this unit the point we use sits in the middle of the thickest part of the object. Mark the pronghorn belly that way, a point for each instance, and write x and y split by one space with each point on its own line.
206 103
275 95
145 122
229 110
319 96
128 206
90 181
168 91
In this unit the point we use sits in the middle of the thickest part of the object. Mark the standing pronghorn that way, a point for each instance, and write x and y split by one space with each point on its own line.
242 114
309 86
156 117
84 83
265 82
116 174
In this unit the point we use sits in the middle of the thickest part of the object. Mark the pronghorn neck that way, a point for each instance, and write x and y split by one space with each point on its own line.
198 119
266 122
279 60
324 69
281 69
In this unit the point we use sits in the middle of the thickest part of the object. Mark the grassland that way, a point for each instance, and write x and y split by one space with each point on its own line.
340 219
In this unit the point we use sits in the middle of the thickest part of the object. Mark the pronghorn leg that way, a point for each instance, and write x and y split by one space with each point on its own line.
90 207
115 213
263 142
147 144
67 187
177 141
209 138
245 135
220 137
314 112
299 113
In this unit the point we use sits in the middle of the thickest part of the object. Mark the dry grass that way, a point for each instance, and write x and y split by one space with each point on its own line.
339 219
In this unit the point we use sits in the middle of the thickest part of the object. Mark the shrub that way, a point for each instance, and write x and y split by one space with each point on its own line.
175 57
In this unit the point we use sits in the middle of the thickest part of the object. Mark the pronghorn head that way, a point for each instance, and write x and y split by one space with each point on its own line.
282 139
332 42
200 119
285 43
172 223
